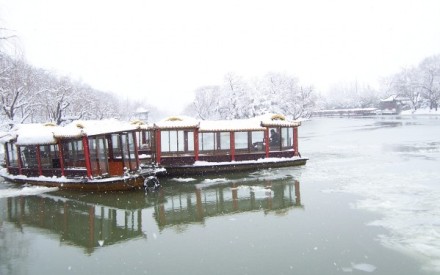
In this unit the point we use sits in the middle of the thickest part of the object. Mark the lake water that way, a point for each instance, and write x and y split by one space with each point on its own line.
367 202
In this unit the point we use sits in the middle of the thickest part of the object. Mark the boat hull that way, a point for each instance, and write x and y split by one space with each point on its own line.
119 183
228 167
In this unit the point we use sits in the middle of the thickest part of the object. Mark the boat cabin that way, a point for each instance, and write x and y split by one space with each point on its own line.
184 141
110 148
89 149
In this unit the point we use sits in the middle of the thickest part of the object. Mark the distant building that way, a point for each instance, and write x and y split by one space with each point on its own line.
394 104
142 114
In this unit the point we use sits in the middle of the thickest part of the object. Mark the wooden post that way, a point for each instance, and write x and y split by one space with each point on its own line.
158 146
232 145
19 160
85 142
38 155
136 149
6 148
267 141
196 144
61 157
295 141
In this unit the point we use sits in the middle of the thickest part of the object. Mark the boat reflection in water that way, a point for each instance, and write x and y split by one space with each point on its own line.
77 221
216 197
98 220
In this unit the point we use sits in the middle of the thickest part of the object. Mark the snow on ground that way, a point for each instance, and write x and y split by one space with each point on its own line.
426 111
26 191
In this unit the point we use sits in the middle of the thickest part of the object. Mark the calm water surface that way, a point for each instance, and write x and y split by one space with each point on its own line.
366 202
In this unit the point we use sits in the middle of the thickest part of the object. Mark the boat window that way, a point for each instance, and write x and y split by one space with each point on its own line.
258 141
241 140
29 156
131 146
206 142
286 137
144 140
189 141
127 150
116 146
132 150
12 154
275 139
49 156
124 147
98 155
73 154
214 141
172 141
225 141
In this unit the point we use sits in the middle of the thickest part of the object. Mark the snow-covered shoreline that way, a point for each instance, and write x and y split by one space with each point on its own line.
421 112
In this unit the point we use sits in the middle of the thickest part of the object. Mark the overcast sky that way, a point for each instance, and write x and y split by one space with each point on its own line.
164 50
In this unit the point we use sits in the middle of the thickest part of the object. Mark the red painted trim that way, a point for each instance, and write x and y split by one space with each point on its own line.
196 144
85 141
40 170
295 141
6 148
232 145
20 161
136 150
61 156
267 141
158 147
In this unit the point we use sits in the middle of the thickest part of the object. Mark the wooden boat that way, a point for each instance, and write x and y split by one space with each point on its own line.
112 155
88 155
185 146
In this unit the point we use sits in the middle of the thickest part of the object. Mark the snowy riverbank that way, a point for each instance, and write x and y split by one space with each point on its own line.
421 112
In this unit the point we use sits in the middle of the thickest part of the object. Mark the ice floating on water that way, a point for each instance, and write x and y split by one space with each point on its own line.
364 267
26 191
183 179
361 267
211 182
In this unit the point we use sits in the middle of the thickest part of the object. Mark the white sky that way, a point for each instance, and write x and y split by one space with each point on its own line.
164 50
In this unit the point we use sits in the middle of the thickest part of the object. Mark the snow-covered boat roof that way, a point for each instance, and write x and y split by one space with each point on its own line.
30 134
251 124
177 122
277 120
98 127
231 125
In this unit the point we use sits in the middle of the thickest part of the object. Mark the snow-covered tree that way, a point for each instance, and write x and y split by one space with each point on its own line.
285 95
16 101
430 80
205 104
407 84
235 100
